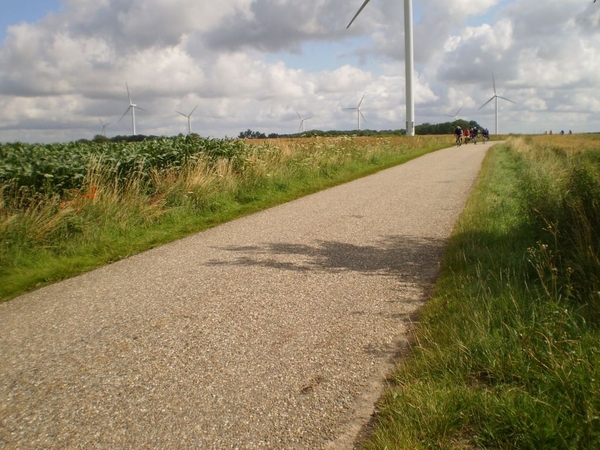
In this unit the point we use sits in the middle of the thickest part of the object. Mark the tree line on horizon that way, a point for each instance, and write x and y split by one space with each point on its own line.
423 129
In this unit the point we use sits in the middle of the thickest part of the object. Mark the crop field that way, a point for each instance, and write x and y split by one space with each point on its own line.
68 208
58 168
55 168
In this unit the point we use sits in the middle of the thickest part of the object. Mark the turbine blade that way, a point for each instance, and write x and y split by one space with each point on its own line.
139 107
457 112
193 110
299 116
494 83
507 99
184 115
361 115
128 95
126 111
361 100
359 11
486 102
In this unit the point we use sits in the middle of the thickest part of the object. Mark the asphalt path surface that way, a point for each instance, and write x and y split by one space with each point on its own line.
276 330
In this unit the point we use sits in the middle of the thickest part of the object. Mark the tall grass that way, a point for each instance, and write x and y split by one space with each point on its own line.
507 353
49 234
563 194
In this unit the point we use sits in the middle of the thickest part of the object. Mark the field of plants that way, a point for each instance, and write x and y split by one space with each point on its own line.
68 208
54 168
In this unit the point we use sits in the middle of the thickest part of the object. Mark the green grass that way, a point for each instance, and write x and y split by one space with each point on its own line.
49 236
507 352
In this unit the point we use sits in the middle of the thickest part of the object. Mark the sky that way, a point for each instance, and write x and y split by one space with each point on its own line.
66 65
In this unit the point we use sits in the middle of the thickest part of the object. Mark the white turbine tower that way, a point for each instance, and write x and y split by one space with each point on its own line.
495 97
454 116
357 109
302 119
131 107
104 125
189 118
409 63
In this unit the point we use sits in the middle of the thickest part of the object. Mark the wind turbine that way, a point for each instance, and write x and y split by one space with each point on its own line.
302 119
409 57
104 125
131 107
454 116
189 118
357 109
495 97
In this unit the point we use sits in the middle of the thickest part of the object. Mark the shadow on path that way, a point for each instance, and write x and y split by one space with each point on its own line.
410 258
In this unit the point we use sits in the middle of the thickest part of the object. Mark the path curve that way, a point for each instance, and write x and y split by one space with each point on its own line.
272 331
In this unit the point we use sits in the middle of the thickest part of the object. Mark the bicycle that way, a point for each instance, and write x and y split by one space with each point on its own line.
485 138
458 141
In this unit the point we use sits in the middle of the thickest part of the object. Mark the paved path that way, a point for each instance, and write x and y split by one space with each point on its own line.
272 331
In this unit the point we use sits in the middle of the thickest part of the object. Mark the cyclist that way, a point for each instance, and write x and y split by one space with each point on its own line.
486 135
474 133
458 132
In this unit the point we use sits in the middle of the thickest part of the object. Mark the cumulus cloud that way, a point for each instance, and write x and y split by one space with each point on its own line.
60 74
275 25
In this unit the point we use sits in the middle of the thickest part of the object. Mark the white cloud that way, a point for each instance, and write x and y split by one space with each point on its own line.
58 75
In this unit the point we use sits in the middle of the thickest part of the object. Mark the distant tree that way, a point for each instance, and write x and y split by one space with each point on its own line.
445 128
249 134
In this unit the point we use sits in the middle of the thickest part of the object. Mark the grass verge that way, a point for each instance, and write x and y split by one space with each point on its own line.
507 352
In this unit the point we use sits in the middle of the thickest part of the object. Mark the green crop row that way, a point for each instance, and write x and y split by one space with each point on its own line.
54 168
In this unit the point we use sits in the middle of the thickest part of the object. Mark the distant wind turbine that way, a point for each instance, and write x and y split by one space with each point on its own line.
131 107
495 97
302 119
189 118
409 64
359 113
454 116
104 125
